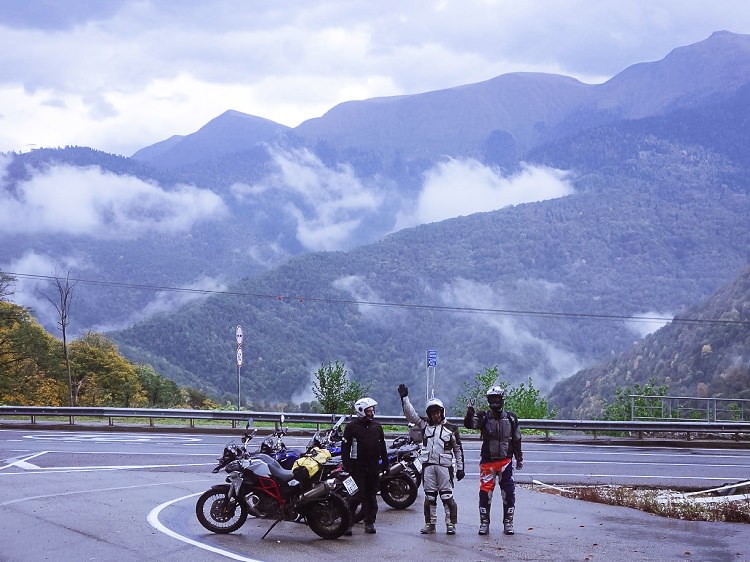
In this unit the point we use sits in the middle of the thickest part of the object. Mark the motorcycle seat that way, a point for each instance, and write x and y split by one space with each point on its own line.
276 469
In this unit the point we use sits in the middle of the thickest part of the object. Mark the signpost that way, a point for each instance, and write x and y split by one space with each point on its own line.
431 369
238 336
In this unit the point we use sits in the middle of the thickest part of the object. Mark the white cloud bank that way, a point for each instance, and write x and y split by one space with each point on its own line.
645 323
460 187
89 202
329 203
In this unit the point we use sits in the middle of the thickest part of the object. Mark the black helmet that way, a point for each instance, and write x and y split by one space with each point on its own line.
496 398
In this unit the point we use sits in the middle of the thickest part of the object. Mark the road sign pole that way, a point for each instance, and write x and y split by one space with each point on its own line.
431 367
239 337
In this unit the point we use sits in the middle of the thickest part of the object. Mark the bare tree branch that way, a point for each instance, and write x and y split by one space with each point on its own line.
62 306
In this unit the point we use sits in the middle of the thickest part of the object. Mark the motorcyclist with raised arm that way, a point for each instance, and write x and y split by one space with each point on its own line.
501 441
441 447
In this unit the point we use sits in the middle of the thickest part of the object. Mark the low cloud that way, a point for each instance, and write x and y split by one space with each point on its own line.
552 363
328 204
460 187
90 202
645 323
361 292
169 301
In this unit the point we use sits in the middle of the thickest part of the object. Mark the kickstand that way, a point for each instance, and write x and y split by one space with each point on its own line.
271 527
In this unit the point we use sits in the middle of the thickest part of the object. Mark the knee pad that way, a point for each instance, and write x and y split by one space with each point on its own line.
446 495
431 497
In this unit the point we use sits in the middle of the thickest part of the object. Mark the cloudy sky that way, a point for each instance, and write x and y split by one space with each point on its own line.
118 75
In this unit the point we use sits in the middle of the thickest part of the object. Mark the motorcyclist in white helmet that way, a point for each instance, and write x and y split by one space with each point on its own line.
365 457
441 448
501 441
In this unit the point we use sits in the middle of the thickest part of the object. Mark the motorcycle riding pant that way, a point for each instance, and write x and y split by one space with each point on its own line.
488 473
368 482
436 481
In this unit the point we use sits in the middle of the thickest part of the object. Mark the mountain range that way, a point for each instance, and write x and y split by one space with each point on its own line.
530 221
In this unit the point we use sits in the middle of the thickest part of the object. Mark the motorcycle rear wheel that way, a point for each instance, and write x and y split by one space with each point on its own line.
329 518
399 492
216 516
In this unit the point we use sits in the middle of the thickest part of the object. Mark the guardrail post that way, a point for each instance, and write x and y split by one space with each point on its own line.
33 419
72 420
151 422
111 422
192 423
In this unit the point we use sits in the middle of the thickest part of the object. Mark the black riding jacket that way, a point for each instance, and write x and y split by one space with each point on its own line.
363 446
501 436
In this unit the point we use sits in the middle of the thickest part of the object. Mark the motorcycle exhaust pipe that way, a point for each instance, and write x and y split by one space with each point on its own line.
396 468
319 490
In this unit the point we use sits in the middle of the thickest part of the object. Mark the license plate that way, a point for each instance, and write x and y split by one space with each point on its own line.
350 485
418 465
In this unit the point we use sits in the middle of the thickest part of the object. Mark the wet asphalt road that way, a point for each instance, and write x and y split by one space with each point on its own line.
88 496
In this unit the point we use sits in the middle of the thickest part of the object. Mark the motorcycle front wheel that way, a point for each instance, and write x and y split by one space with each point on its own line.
217 514
399 492
329 517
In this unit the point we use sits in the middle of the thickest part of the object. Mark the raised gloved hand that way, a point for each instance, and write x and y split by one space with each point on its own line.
403 390
519 464
460 475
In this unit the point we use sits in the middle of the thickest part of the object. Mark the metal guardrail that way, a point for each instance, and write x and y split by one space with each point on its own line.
639 427
657 407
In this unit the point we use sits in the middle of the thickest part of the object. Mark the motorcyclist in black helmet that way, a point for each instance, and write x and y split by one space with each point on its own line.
501 441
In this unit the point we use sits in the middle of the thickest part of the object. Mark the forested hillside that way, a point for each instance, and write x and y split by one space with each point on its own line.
541 289
704 352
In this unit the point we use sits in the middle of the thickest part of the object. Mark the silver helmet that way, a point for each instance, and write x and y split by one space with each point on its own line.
496 398
435 403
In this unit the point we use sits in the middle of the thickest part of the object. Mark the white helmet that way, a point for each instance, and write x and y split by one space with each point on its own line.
362 404
435 403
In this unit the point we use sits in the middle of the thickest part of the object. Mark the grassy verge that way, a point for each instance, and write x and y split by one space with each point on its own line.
666 503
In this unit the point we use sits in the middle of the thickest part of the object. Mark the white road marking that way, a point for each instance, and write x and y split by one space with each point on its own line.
28 467
153 519
22 463
111 437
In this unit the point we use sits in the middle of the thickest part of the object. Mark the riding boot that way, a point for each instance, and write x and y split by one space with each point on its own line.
451 511
484 513
451 515
508 520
